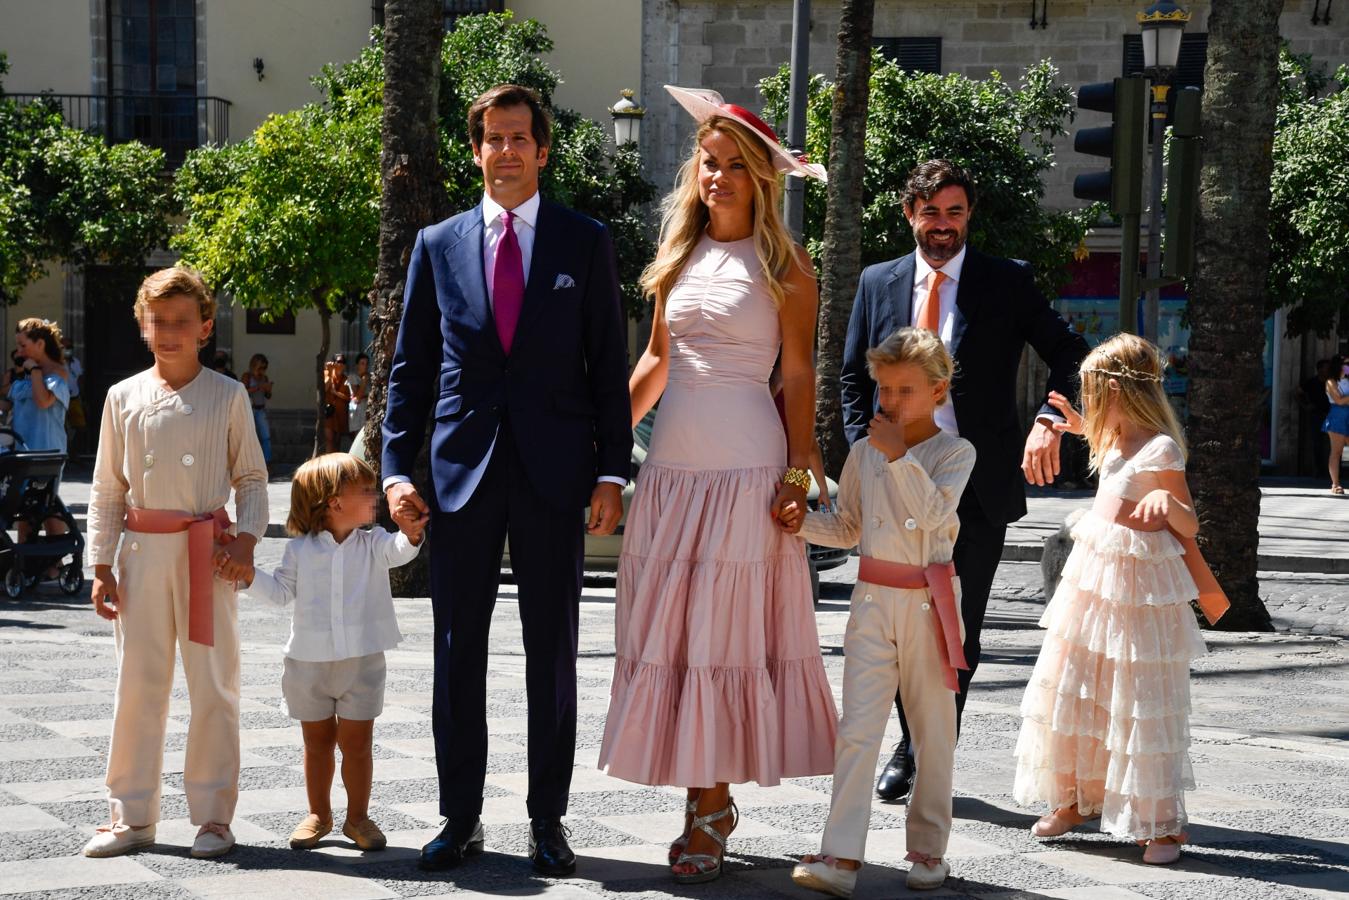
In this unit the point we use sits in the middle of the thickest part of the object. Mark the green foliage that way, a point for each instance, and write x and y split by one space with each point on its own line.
66 194
1309 204
294 210
1003 135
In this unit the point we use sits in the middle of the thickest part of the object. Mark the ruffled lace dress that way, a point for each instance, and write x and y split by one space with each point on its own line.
718 676
1105 718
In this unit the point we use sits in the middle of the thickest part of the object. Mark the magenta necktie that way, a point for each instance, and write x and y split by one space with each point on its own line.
508 283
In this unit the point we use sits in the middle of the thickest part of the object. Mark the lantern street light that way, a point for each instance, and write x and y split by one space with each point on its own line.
627 119
1163 26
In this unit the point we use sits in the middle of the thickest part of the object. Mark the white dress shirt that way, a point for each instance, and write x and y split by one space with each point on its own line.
494 229
343 604
945 415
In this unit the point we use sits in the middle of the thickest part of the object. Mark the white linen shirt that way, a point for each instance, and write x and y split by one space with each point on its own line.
945 415
343 604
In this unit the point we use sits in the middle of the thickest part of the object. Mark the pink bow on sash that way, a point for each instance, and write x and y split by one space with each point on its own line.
203 531
937 580
1213 603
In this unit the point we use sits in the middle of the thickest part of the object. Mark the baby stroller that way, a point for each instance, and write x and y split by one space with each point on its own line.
29 482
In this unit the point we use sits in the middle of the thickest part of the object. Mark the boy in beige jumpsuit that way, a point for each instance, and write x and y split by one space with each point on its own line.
174 440
897 501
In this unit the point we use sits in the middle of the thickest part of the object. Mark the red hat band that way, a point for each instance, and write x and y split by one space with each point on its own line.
758 123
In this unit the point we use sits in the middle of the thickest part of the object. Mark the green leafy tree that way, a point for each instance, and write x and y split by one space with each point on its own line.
288 220
66 194
1309 202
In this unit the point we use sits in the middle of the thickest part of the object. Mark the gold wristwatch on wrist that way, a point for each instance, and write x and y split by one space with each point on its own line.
797 478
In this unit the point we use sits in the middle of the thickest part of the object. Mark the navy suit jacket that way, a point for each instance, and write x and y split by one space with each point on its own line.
563 388
998 311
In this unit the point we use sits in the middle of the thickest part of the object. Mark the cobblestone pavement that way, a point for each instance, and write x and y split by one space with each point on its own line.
1270 817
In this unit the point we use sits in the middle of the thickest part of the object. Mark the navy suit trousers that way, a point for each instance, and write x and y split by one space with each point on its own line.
547 550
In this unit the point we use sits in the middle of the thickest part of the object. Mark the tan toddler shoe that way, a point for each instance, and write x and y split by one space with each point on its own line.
366 835
309 832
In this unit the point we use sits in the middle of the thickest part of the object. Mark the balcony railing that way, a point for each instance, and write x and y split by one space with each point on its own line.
175 123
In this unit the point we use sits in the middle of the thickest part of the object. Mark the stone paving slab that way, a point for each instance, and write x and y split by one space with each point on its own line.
1271 815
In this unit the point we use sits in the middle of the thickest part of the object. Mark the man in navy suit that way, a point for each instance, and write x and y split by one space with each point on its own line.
985 310
513 339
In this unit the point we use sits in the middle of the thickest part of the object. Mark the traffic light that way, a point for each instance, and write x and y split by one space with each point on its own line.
1182 186
1121 142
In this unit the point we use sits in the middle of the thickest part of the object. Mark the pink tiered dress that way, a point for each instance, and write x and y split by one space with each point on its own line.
718 676
1105 719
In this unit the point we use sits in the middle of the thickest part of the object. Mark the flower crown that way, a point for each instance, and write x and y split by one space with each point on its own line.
1123 371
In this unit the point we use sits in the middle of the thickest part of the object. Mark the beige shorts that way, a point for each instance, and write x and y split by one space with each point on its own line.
348 688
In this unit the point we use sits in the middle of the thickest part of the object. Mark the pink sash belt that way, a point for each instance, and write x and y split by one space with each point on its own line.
1213 602
202 533
937 580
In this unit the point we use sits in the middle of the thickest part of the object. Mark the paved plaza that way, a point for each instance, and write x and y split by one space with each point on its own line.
1270 818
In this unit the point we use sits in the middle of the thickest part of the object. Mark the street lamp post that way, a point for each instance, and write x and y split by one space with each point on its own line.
627 119
794 197
1163 25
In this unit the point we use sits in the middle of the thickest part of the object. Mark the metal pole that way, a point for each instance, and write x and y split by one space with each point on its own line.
794 198
1152 304
1128 274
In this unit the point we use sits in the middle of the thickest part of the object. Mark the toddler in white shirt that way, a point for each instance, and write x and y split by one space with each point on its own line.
337 575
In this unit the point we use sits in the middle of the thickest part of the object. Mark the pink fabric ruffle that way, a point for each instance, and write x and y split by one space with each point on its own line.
718 676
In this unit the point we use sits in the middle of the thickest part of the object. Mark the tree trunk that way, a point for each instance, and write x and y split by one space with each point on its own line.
325 322
842 254
412 196
1227 298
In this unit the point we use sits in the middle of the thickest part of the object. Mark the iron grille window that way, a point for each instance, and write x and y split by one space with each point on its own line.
454 10
914 54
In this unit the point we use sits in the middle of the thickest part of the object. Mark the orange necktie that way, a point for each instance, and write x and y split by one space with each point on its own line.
932 309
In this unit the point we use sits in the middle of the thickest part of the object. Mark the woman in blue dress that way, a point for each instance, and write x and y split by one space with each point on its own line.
39 400
1336 425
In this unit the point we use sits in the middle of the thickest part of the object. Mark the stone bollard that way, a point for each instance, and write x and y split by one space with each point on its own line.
1056 549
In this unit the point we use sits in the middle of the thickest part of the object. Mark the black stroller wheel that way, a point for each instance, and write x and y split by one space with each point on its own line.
72 578
14 582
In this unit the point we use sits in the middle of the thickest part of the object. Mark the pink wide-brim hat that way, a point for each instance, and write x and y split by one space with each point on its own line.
704 104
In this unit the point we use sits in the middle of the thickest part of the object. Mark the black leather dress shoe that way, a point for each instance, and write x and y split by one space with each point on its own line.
548 848
456 841
897 778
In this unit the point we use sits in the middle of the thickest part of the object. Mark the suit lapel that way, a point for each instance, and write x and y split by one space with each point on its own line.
967 297
900 290
465 257
542 267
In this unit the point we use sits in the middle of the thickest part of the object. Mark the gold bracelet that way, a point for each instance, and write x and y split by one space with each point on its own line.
797 478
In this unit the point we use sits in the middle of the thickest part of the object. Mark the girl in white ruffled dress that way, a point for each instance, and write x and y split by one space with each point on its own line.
1105 719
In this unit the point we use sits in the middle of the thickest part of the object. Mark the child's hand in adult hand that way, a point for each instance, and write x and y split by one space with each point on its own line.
1155 507
107 601
234 557
887 436
791 517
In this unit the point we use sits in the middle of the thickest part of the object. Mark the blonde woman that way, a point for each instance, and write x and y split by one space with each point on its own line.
718 676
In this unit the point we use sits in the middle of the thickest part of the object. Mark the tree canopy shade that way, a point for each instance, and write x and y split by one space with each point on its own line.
1309 203
66 194
1002 134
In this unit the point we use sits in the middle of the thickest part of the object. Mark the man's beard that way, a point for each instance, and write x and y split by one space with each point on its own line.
940 252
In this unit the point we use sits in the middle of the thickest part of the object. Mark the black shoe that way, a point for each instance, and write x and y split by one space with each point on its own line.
456 841
548 848
897 778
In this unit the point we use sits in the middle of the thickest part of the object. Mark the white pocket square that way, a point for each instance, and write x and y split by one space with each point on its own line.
563 281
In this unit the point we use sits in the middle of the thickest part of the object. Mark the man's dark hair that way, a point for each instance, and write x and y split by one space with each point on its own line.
928 178
541 124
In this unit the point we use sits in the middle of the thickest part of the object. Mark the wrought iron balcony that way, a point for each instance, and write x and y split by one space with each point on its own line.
175 123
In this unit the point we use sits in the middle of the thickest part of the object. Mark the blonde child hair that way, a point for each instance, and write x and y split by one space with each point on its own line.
920 347
316 482
685 216
1128 368
175 281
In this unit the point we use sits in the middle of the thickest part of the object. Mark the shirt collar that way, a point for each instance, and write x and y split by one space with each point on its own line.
951 269
527 212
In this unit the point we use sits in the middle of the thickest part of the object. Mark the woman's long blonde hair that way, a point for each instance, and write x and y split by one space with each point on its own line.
684 216
1130 369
